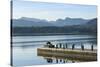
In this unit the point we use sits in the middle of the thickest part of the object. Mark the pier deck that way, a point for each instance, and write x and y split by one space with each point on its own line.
84 55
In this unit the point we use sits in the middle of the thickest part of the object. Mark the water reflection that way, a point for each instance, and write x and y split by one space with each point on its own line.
49 60
58 60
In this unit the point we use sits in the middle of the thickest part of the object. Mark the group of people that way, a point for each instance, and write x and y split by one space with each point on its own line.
50 45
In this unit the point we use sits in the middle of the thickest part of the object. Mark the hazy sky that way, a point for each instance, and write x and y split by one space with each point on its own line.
52 11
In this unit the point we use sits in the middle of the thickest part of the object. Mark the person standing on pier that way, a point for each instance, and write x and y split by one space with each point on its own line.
50 45
82 46
92 47
73 46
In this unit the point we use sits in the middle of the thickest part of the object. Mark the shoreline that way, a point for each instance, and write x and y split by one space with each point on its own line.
50 34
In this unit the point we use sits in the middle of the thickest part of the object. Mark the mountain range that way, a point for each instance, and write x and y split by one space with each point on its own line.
31 26
29 22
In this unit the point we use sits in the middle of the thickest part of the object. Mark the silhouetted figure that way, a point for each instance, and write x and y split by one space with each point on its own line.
92 47
82 47
73 46
50 45
48 42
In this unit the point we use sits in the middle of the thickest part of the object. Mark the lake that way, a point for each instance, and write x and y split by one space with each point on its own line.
25 48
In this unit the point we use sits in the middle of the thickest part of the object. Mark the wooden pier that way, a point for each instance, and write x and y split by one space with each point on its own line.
78 54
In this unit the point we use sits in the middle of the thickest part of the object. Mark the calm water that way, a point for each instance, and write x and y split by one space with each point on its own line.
25 48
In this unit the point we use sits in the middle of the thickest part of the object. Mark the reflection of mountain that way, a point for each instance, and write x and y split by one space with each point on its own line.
30 26
24 21
59 60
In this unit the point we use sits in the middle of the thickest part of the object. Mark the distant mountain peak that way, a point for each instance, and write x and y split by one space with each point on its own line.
67 18
29 19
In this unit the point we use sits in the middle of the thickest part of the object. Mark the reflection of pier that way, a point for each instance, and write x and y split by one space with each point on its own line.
58 60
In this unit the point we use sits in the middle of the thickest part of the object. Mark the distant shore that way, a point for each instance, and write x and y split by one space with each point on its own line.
48 34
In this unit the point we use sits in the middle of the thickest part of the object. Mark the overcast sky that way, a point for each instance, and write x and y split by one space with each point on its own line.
52 11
